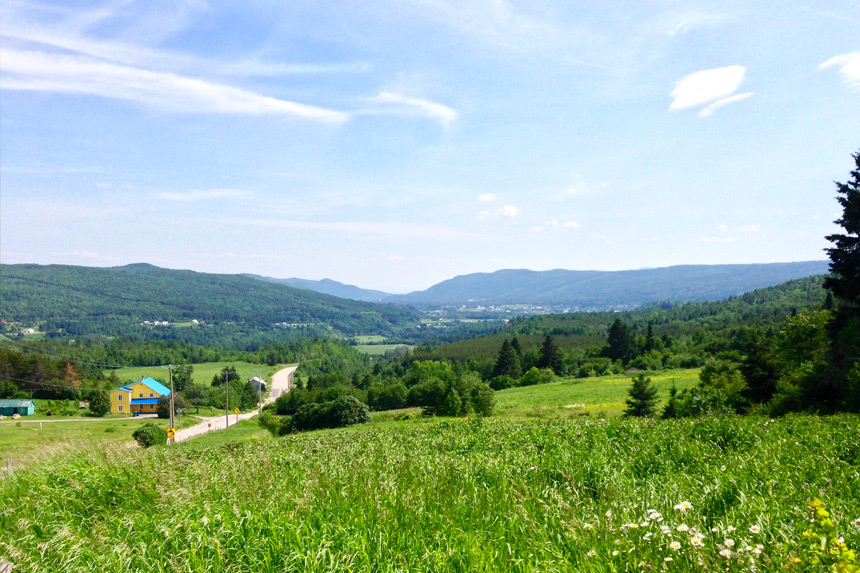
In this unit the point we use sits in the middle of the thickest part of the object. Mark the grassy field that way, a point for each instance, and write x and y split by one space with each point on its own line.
27 441
369 339
203 372
724 494
583 396
379 349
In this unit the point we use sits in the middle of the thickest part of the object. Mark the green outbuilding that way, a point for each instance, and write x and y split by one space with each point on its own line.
21 407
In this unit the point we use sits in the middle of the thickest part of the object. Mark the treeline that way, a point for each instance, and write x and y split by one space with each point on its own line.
651 338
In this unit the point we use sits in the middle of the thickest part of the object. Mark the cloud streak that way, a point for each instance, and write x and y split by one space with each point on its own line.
416 106
710 88
849 68
63 73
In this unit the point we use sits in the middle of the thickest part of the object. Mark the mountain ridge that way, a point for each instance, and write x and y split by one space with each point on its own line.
588 290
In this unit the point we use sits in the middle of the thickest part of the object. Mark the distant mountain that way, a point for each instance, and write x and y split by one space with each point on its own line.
115 301
334 288
604 290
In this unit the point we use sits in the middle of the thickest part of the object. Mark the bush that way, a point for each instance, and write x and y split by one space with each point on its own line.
535 376
100 403
502 382
270 421
345 411
482 399
150 435
163 408
389 397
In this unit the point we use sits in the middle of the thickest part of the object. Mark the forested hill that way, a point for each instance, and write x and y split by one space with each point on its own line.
606 290
115 301
334 288
699 328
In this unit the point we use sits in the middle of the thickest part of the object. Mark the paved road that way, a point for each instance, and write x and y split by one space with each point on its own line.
281 381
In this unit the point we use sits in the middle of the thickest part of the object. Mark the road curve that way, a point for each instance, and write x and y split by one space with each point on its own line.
280 384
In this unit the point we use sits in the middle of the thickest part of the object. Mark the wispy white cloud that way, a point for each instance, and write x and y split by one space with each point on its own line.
203 195
714 87
571 225
709 110
59 73
73 34
721 239
487 197
398 103
849 68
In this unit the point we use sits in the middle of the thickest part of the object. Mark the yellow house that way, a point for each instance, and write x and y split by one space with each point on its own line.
141 396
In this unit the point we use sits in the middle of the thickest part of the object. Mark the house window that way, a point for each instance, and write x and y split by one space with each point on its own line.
151 395
119 397
141 395
120 406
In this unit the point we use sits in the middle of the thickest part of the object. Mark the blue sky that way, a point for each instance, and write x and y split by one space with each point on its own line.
395 144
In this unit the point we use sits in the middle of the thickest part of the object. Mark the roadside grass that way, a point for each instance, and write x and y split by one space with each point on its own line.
380 349
447 495
203 372
568 397
26 442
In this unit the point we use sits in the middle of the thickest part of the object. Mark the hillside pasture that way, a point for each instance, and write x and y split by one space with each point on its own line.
721 494
203 372
604 395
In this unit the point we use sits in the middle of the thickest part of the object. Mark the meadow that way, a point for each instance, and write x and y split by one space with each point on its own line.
203 372
574 494
584 396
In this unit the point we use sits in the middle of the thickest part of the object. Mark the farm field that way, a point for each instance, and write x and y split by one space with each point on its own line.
380 349
584 396
727 494
203 372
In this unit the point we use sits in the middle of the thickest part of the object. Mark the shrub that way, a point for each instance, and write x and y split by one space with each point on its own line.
345 411
163 408
535 376
482 399
502 382
150 435
270 421
389 397
100 403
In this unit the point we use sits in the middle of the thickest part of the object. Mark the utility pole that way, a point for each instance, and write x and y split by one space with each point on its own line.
227 397
170 375
260 387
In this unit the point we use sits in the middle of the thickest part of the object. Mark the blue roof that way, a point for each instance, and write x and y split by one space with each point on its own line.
144 400
153 384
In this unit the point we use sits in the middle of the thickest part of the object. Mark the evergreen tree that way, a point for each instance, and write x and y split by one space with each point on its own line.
620 342
650 343
100 403
550 356
228 373
844 280
643 398
515 344
670 410
507 363
759 369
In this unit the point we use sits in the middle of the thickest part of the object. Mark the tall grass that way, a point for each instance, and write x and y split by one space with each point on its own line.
446 495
